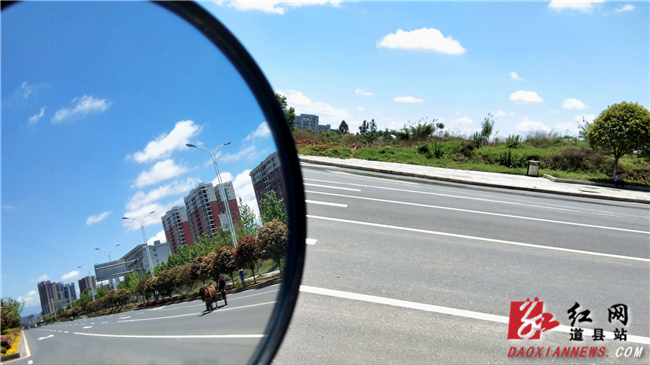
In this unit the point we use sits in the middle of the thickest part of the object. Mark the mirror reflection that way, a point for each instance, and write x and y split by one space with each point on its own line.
142 194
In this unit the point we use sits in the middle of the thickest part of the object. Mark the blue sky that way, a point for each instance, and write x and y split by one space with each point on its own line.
533 65
98 99
98 102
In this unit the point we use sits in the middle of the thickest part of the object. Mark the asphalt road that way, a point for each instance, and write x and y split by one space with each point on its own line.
180 333
418 272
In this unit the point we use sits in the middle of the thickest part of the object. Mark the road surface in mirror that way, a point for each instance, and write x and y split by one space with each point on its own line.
121 125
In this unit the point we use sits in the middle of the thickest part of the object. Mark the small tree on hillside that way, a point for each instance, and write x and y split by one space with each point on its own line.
246 254
486 127
619 130
343 128
289 112
272 240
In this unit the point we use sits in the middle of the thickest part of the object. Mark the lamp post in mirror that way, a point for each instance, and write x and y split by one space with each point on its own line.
144 238
224 198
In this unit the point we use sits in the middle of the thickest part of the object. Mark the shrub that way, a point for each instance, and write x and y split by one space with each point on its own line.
438 150
423 149
544 139
511 160
6 341
477 138
582 159
513 141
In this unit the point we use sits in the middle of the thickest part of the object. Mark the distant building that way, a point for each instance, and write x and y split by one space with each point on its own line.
87 282
160 252
54 296
202 211
177 228
310 121
230 200
267 177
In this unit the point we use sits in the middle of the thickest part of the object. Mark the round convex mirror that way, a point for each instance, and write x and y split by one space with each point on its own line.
136 136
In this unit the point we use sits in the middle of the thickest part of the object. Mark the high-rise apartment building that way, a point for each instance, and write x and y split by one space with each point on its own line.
87 282
230 200
177 228
55 295
267 177
202 211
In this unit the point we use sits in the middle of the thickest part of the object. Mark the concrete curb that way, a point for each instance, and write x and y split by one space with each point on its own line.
462 181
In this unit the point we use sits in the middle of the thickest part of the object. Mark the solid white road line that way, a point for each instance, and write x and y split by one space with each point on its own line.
447 310
478 238
479 212
331 187
384 179
173 337
326 203
42 338
311 241
193 314
469 198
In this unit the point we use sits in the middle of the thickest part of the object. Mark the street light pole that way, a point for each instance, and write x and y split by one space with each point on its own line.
92 285
221 189
144 237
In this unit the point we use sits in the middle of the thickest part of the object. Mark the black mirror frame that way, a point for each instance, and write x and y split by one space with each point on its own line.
221 37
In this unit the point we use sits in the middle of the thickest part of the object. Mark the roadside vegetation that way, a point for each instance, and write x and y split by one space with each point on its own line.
11 324
617 141
191 267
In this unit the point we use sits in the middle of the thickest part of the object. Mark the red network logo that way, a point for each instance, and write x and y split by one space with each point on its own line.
528 320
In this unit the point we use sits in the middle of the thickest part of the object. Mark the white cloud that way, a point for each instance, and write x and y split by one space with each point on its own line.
161 171
463 125
84 105
160 236
70 276
262 131
573 104
553 112
26 89
31 299
363 93
43 277
530 126
327 114
360 109
526 97
499 113
571 128
164 144
407 99
36 117
271 6
514 76
97 218
580 5
425 39
624 8
588 117
246 152
141 199
159 210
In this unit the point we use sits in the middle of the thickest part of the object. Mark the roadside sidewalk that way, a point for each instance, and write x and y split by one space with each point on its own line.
491 179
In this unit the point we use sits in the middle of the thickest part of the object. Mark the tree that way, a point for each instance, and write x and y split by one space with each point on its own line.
131 280
143 289
363 128
247 220
10 312
289 113
197 270
619 130
272 208
372 126
224 262
246 254
101 291
486 127
272 240
343 128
